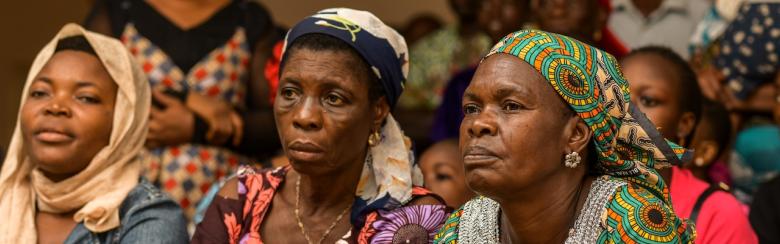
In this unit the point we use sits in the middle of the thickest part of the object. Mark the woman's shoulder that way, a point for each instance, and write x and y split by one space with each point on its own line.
636 212
144 196
147 212
249 178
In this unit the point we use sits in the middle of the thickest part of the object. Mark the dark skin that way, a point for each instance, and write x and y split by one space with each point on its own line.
466 14
324 116
174 125
65 121
442 167
514 137
574 18
707 151
656 91
500 17
647 7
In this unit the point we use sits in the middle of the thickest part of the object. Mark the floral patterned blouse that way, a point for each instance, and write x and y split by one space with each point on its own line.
229 221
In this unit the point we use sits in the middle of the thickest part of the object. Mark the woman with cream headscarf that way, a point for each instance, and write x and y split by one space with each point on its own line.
72 173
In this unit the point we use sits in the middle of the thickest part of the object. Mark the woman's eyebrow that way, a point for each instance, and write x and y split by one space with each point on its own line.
80 84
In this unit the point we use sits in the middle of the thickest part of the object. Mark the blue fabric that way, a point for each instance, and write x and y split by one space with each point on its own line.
446 122
376 51
760 148
750 49
147 216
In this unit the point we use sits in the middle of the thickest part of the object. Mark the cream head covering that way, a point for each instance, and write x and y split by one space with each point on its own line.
95 193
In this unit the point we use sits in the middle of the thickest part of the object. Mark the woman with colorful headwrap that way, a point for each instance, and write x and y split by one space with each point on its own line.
352 177
558 153
72 174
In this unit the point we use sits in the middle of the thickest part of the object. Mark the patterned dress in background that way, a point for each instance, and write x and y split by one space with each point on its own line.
187 171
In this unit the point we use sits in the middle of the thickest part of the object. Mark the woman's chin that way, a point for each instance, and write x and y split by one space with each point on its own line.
480 182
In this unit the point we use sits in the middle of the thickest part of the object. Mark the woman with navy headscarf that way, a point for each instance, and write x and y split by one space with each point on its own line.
352 177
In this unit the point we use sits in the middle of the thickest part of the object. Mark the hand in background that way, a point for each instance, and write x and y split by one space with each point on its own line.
222 119
170 126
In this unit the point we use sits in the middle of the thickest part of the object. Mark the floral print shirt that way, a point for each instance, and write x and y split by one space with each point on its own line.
238 221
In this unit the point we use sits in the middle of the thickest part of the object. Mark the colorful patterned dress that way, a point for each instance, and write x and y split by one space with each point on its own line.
232 221
615 211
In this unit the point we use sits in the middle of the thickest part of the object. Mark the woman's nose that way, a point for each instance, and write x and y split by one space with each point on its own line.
483 125
308 116
57 108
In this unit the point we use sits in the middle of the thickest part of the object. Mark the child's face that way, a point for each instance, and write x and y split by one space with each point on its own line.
655 91
442 168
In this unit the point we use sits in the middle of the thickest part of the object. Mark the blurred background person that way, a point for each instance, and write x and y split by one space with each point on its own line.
712 140
420 26
639 23
440 54
739 73
442 167
497 18
584 20
672 101
437 57
204 61
765 213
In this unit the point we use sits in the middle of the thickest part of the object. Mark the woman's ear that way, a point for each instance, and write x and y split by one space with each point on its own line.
579 134
381 110
686 126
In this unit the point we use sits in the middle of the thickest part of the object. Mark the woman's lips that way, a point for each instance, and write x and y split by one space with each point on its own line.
305 151
477 156
51 136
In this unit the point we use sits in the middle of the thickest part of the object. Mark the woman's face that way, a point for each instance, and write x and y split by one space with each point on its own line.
500 17
579 19
67 116
512 135
655 91
323 112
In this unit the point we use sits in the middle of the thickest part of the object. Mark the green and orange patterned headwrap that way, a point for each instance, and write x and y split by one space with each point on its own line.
590 81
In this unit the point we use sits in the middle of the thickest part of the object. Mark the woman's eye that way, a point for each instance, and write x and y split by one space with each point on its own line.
512 106
38 94
288 93
470 109
88 99
648 101
334 100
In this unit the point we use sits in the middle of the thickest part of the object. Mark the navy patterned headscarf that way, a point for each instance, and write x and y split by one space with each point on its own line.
381 46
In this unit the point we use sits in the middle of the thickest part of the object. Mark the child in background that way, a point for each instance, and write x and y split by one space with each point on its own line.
711 140
665 88
442 167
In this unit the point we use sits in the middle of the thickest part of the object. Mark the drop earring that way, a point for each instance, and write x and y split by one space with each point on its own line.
374 138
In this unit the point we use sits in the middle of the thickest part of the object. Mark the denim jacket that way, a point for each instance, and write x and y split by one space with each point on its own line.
146 216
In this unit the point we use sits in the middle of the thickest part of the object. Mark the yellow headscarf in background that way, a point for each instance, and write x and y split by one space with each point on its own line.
96 192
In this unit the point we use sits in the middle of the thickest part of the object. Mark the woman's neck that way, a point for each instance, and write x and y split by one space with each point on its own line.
545 212
327 192
187 14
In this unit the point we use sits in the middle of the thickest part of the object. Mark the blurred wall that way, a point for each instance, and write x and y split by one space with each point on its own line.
28 25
